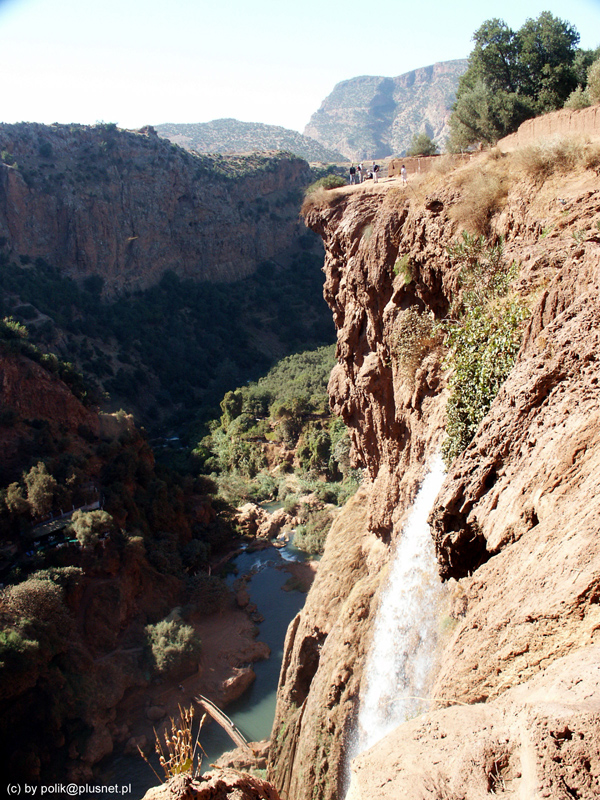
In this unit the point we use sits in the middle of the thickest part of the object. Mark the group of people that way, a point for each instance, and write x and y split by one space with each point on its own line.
359 174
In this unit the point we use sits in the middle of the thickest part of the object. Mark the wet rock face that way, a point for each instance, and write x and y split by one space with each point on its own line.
130 206
541 739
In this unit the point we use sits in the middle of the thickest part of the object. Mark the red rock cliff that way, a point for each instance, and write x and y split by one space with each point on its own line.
515 524
129 206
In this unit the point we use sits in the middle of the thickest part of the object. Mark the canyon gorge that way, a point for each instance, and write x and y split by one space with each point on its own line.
509 705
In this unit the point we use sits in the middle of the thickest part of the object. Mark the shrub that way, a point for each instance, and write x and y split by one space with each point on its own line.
404 268
312 536
483 343
413 335
328 182
483 348
208 593
579 98
170 643
317 193
422 145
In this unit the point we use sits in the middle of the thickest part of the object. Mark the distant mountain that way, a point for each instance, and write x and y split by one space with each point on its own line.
375 117
232 136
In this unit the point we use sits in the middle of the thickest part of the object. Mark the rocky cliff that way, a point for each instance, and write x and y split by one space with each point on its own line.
515 524
376 117
129 206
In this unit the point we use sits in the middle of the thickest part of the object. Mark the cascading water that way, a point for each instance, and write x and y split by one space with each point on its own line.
406 632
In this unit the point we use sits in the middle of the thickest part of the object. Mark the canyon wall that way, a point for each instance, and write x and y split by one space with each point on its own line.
583 122
129 206
515 524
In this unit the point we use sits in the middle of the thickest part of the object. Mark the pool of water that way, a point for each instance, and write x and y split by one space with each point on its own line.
254 712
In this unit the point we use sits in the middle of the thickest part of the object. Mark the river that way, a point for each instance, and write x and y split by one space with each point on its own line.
254 712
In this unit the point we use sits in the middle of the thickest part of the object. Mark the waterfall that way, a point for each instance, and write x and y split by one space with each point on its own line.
406 632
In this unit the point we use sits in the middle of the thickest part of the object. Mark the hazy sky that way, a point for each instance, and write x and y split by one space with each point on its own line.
138 62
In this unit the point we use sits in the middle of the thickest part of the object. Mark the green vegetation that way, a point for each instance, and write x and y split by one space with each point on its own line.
285 413
588 94
515 75
484 340
327 182
422 145
89 526
232 136
414 334
14 338
169 352
170 644
403 268
311 537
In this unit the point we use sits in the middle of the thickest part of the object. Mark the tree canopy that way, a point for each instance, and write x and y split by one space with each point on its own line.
515 75
422 145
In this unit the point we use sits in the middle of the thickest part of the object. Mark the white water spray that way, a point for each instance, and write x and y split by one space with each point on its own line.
406 633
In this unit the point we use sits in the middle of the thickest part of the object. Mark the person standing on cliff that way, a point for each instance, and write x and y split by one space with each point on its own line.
352 174
403 176
375 172
359 173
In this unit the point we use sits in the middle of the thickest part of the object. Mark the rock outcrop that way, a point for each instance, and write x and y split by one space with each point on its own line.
129 206
375 117
515 524
220 784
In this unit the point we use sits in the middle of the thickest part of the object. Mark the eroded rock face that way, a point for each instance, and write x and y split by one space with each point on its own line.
540 739
129 206
221 784
395 425
515 524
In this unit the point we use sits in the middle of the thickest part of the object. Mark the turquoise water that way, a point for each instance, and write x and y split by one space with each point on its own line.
254 712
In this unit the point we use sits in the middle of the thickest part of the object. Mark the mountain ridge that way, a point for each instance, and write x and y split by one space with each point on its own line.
228 135
373 116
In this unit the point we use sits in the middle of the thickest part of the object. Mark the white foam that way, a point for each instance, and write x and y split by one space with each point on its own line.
406 633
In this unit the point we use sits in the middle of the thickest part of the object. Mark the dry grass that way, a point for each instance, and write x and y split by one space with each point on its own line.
178 753
562 156
319 198
483 189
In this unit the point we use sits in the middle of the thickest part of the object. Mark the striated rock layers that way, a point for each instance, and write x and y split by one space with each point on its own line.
515 524
129 206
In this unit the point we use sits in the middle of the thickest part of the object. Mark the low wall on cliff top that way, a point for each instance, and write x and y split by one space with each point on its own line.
584 122
416 165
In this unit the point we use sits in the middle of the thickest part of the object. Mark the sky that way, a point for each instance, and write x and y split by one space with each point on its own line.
140 62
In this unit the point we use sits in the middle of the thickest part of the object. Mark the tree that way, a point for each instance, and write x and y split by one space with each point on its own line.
547 49
422 145
15 501
513 76
41 487
593 85
88 526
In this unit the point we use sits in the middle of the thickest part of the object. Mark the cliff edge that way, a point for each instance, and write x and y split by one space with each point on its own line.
515 524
